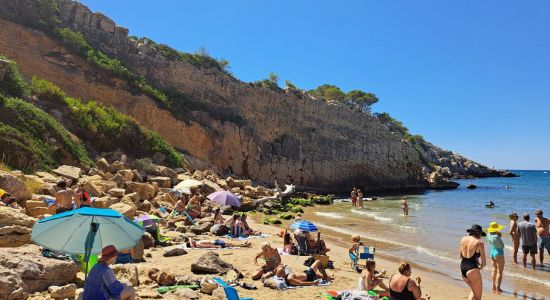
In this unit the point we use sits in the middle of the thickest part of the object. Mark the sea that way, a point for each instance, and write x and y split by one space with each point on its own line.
429 237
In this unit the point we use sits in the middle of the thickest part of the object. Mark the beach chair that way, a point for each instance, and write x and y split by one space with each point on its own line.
301 244
357 257
230 292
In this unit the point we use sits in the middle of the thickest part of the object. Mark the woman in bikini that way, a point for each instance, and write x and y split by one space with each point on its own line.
272 261
368 281
471 250
409 289
215 244
514 233
194 206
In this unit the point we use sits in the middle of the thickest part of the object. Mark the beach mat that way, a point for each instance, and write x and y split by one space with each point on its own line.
166 289
326 283
242 238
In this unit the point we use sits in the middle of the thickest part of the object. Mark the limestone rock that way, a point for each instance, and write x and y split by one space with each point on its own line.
61 292
148 240
125 209
94 171
126 174
14 236
117 166
104 202
131 198
92 189
11 285
201 228
118 193
14 186
137 176
162 278
210 263
102 164
145 206
145 190
175 252
37 272
163 182
40 211
10 216
163 197
68 171
119 180
166 172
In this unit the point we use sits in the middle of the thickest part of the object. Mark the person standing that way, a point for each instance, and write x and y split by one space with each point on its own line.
528 235
360 198
542 225
471 251
354 197
497 254
514 234
405 206
101 282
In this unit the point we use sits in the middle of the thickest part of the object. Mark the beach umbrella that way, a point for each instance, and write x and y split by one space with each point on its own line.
186 185
147 220
225 198
304 225
86 231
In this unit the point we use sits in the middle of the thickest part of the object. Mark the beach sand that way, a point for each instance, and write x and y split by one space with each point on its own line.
433 284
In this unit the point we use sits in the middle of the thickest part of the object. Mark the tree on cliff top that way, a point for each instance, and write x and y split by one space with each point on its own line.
361 99
328 92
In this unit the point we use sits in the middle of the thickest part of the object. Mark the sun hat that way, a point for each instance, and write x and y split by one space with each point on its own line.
476 228
494 227
108 252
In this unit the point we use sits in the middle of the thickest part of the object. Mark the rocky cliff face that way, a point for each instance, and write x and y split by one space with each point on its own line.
264 134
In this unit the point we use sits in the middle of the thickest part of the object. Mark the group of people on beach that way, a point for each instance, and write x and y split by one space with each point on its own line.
472 249
356 197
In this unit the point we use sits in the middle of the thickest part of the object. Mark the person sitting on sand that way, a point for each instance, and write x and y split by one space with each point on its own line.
194 206
215 244
471 250
402 287
218 218
368 280
405 206
309 277
288 245
246 228
64 197
514 234
497 254
234 225
318 246
101 282
272 260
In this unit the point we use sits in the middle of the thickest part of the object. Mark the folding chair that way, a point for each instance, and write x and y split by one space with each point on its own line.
356 257
230 292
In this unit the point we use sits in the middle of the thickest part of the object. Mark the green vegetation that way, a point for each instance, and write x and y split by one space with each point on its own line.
107 127
269 221
13 84
301 201
271 82
323 199
393 124
32 139
354 98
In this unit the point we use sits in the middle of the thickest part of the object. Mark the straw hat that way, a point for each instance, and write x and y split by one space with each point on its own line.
494 227
108 252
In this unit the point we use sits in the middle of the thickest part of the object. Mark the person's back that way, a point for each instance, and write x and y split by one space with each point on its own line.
526 230
399 288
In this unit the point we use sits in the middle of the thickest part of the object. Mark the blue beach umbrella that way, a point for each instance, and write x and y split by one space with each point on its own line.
86 231
304 225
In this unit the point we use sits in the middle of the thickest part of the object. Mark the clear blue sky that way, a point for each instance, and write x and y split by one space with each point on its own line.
471 76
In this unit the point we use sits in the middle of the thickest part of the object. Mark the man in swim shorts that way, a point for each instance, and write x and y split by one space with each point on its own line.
528 234
542 225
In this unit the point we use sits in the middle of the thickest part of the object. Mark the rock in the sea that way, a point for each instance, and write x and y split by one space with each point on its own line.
14 186
210 263
175 252
11 285
146 191
471 186
37 272
125 209
62 292
68 171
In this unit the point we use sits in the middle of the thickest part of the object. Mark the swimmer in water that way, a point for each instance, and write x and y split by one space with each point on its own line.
490 204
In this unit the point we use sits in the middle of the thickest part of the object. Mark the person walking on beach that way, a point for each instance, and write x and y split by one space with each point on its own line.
497 254
360 198
514 234
528 235
405 206
354 197
471 251
542 225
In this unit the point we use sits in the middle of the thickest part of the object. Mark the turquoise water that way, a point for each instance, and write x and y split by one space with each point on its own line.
430 235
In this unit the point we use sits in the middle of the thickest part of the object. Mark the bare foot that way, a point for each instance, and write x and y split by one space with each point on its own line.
494 288
499 290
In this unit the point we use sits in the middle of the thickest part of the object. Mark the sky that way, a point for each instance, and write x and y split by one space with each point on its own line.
470 76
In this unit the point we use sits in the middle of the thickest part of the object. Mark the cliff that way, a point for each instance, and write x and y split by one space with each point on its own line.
262 133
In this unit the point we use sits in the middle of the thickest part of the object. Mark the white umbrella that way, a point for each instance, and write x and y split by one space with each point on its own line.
186 185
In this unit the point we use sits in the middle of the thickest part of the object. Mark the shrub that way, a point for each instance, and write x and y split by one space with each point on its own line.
46 90
13 84
328 92
323 199
301 201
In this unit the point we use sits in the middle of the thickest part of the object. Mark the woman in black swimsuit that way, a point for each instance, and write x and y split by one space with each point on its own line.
471 250
409 290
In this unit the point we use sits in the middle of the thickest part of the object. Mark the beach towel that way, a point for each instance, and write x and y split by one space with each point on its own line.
166 289
211 249
49 201
289 287
244 238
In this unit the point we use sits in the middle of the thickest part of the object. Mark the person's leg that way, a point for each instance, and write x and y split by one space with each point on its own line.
494 274
533 260
380 283
524 259
128 293
541 254
516 248
477 283
469 283
258 274
500 264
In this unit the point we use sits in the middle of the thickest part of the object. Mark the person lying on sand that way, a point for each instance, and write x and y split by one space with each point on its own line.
368 280
215 244
309 277
272 260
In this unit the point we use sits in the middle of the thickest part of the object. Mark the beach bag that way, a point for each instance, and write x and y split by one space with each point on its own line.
309 261
324 259
208 285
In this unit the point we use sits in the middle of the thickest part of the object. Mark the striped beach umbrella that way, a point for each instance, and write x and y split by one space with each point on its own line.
304 225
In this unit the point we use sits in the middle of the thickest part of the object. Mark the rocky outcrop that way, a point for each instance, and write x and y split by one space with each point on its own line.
210 263
15 227
14 186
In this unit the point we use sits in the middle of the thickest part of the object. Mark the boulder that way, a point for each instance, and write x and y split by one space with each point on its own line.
117 166
201 228
242 183
145 190
29 204
126 209
127 174
162 278
63 292
137 176
210 263
37 272
163 182
163 197
102 164
104 202
92 189
119 180
68 172
148 240
175 252
145 206
98 181
11 285
126 273
94 171
118 193
185 293
166 172
40 211
10 216
14 236
131 198
14 186
211 187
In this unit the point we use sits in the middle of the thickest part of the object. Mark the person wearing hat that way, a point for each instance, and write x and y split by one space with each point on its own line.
497 254
471 251
514 234
101 282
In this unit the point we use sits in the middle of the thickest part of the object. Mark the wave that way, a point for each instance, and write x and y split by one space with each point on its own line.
329 215
372 215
